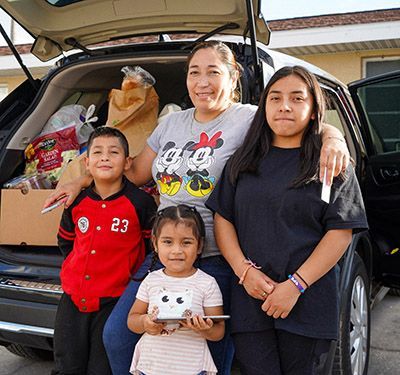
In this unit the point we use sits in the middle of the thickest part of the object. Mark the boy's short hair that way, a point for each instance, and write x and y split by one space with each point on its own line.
108 131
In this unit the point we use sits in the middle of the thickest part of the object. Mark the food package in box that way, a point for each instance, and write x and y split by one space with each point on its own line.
50 153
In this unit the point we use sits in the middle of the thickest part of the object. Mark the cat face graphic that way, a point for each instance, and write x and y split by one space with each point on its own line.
173 304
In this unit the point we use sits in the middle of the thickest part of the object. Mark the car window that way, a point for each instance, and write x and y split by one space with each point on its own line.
73 99
381 105
332 111
86 99
332 117
335 115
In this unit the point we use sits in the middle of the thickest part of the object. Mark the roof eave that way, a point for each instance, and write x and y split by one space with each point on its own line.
318 40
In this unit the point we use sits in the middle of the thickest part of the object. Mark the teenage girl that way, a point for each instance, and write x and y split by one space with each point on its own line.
271 221
179 289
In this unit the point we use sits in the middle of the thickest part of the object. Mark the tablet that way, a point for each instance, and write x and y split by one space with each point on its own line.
215 318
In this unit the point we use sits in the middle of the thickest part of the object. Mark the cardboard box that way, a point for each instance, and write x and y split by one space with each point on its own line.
21 221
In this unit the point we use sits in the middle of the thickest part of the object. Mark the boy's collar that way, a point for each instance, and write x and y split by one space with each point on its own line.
93 195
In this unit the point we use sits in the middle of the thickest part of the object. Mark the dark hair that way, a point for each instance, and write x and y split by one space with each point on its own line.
258 140
108 131
226 56
180 214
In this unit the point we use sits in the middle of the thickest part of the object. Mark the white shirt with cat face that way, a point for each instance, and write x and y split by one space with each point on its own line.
183 352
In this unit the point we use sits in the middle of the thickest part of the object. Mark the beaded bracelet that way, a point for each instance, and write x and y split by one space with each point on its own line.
251 264
297 283
301 278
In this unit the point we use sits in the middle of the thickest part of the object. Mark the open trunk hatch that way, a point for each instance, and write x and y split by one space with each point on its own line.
95 21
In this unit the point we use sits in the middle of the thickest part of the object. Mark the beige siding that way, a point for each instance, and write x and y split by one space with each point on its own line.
347 66
11 82
14 81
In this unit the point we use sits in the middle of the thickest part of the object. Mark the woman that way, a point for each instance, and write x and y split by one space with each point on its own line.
285 232
186 155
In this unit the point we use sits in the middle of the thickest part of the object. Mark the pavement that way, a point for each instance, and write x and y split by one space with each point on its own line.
384 355
385 338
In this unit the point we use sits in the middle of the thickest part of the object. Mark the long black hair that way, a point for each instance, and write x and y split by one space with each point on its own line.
259 138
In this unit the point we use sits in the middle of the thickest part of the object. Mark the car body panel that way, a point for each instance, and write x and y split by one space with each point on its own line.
95 21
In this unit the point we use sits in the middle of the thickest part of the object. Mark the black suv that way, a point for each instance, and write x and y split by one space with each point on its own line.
367 113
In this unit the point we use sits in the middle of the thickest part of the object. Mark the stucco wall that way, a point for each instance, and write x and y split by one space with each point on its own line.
14 81
11 82
347 66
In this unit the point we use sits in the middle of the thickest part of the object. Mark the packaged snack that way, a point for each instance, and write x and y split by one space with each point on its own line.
50 153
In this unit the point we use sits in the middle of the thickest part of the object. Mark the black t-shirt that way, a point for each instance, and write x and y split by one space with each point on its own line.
278 227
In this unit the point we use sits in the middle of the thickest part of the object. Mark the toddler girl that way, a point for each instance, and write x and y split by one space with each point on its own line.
177 290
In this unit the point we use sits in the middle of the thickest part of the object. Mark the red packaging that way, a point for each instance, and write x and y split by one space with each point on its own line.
50 152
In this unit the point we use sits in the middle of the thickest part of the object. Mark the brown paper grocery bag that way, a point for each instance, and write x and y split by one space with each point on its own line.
135 113
75 168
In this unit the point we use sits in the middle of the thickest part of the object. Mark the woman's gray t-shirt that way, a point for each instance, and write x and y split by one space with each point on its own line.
191 156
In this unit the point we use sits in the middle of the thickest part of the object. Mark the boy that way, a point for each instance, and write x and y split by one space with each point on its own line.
101 236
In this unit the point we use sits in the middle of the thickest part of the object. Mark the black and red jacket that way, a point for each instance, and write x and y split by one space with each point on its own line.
103 243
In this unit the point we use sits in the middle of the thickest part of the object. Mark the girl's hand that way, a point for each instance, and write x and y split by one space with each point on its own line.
206 327
279 303
258 284
335 157
150 326
197 323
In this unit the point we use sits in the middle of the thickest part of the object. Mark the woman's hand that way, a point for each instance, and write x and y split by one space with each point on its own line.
281 301
258 284
335 155
69 190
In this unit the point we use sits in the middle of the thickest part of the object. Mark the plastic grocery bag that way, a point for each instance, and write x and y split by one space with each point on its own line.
72 115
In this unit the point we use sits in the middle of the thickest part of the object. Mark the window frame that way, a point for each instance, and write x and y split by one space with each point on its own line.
366 60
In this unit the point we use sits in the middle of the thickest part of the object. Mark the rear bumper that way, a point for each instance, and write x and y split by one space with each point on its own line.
26 329
27 313
25 339
27 323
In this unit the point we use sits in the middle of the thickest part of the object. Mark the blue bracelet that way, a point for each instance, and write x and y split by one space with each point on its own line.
296 282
